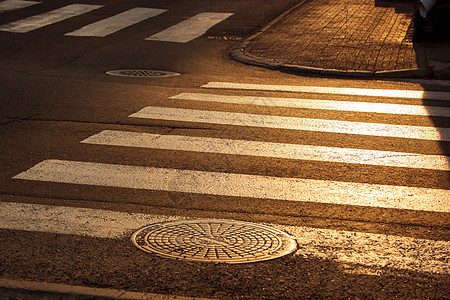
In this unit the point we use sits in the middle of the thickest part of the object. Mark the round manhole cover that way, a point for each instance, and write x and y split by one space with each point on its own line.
142 73
220 241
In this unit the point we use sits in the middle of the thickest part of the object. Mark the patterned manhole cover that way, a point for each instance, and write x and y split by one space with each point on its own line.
142 73
220 241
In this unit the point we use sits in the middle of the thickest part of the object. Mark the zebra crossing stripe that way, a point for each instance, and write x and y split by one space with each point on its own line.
265 149
115 23
366 249
48 18
332 90
384 108
239 185
73 220
190 29
15 4
294 123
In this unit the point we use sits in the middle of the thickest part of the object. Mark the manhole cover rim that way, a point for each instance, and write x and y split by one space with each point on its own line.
157 73
287 243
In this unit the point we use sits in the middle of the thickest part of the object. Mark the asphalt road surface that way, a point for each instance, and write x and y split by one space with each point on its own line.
356 171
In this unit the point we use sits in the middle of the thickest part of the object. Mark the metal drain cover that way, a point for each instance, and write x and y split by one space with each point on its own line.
142 73
220 241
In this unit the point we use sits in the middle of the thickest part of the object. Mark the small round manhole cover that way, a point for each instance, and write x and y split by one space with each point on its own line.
142 73
220 241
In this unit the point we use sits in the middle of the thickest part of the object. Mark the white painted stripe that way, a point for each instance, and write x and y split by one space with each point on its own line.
293 123
51 17
71 220
240 185
191 28
118 22
371 249
384 108
265 149
366 249
15 4
332 90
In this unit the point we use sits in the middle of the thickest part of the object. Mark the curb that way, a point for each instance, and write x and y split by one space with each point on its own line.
241 54
19 289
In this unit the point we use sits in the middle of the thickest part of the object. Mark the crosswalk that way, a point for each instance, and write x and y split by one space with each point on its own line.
259 186
115 23
268 187
182 32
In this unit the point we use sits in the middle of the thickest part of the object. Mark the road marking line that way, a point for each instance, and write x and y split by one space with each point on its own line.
240 185
48 18
191 28
9 5
371 249
384 108
73 220
294 123
367 249
332 90
266 149
118 22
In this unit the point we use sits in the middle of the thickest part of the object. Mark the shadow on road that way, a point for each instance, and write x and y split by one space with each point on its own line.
434 33
430 38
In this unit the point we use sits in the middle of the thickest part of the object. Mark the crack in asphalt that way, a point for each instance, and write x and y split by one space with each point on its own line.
28 118
108 123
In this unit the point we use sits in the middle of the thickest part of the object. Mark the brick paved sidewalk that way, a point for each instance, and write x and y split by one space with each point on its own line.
352 36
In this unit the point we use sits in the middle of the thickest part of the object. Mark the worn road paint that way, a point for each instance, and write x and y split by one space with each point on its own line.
239 185
9 5
382 108
48 18
266 149
332 90
190 29
118 22
366 249
294 123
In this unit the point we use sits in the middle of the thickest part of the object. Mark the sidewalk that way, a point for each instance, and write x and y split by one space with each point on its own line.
363 38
